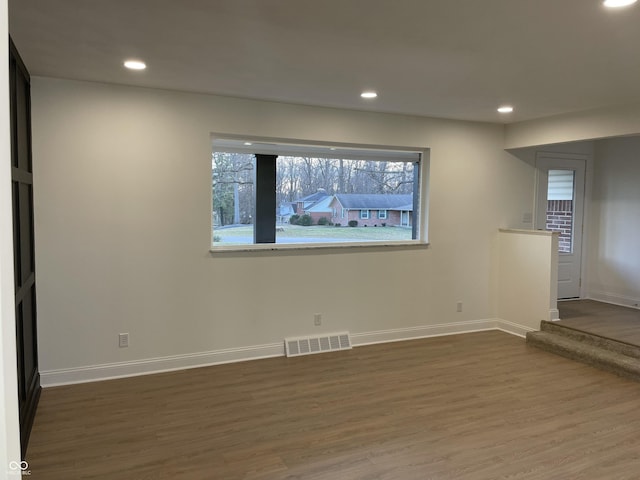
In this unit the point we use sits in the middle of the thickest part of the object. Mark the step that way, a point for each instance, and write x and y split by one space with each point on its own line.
585 352
591 338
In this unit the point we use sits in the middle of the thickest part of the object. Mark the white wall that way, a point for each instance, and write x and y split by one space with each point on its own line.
9 426
527 277
614 253
122 199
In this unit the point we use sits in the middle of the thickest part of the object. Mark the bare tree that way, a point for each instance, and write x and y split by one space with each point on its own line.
296 177
233 194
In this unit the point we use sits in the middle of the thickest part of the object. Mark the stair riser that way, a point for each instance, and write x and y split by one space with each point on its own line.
622 368
594 340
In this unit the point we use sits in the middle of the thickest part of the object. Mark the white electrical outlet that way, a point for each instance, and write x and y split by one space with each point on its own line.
123 340
459 307
317 319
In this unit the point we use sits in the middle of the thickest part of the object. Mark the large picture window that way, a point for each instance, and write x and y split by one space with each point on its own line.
307 195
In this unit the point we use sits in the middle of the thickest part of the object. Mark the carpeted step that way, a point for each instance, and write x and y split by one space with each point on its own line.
591 339
585 352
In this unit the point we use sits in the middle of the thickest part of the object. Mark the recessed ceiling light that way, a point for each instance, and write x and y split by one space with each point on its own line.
369 94
505 109
248 143
135 65
618 3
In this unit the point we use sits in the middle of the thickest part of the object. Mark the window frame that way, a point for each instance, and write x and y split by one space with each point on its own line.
383 217
421 170
365 214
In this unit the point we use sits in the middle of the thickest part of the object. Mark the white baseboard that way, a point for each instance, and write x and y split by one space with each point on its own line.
414 333
613 299
513 328
148 366
94 373
554 315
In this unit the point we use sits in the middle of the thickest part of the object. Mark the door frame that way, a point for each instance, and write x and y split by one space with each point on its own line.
564 161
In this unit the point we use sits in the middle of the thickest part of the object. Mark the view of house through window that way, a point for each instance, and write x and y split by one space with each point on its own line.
318 199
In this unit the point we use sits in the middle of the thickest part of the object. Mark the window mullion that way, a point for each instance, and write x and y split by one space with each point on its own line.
265 222
415 222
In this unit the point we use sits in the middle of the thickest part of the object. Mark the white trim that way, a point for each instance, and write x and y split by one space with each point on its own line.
439 330
554 315
513 328
269 247
9 410
545 233
614 299
425 331
94 373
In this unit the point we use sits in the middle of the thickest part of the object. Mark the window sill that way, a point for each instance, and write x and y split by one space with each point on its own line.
544 233
270 247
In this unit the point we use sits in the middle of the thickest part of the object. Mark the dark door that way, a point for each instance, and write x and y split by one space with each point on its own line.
23 244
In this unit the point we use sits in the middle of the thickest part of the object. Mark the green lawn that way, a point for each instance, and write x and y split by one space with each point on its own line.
316 233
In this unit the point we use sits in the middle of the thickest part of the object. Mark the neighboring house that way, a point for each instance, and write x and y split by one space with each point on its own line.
321 208
285 211
304 203
372 209
314 205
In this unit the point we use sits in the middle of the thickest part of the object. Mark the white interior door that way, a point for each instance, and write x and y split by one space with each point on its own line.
560 207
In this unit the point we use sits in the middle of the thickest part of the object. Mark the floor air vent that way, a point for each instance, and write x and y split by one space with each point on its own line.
317 344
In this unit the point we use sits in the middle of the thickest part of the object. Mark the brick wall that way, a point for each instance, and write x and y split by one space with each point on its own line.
315 216
560 219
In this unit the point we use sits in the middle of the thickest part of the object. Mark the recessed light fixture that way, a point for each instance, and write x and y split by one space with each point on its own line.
248 144
505 109
369 94
135 65
618 3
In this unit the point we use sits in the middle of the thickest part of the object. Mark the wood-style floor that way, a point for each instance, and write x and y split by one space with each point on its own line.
604 319
473 406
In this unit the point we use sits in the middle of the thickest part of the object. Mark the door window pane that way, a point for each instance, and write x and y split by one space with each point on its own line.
560 196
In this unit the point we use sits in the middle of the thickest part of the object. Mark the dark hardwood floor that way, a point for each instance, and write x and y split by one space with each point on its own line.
473 406
604 319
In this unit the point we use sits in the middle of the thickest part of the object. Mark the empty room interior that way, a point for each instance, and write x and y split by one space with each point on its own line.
468 173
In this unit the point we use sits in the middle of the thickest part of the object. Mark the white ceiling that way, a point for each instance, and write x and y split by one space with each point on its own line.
456 59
